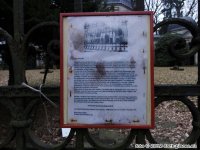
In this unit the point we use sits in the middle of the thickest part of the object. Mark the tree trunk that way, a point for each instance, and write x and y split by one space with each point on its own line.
17 47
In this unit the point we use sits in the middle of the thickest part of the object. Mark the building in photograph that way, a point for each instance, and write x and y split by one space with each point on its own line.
100 36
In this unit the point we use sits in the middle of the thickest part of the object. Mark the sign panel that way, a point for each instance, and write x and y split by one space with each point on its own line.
107 70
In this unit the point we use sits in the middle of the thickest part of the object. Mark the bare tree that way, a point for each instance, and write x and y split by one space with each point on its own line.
191 9
178 5
172 8
156 6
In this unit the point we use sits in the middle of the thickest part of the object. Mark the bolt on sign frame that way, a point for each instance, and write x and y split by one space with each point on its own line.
106 68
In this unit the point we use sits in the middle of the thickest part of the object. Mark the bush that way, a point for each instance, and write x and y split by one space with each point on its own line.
162 56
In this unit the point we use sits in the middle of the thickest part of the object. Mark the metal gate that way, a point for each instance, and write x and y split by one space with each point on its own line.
21 101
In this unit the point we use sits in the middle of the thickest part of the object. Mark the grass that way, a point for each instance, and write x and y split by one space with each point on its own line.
162 75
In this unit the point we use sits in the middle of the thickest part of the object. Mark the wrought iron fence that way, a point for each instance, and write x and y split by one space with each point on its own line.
20 102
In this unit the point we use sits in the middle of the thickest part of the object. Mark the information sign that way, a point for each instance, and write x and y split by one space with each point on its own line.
107 70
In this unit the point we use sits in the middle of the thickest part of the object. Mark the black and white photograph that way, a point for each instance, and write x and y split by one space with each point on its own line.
104 37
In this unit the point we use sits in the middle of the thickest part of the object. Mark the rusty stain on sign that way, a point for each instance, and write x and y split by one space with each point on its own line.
144 33
73 120
77 38
137 120
109 121
70 93
100 69
132 62
144 68
70 69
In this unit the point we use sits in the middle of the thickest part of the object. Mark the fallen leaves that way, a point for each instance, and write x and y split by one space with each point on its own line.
173 123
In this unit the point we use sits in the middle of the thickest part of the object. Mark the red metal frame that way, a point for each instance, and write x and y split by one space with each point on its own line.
152 125
61 72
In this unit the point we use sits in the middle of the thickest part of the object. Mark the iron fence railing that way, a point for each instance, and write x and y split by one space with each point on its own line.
20 101
163 93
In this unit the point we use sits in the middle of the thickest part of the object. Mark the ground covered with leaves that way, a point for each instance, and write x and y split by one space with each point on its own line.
173 119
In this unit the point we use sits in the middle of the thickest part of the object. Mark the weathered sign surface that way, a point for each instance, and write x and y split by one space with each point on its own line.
107 70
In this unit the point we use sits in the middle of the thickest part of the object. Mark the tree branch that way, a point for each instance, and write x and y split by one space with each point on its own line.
194 3
147 4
